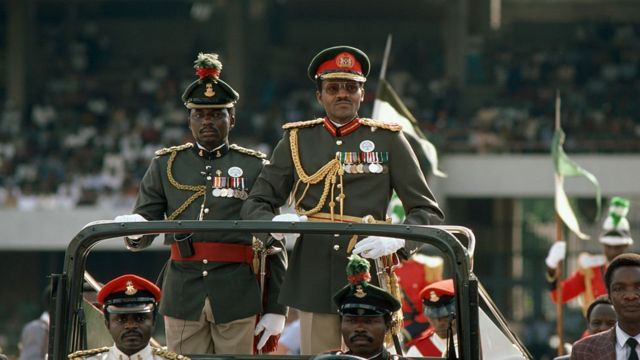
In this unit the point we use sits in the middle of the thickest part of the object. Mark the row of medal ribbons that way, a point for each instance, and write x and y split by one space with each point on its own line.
231 187
372 162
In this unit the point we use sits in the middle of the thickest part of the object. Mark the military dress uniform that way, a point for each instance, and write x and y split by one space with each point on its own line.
588 280
344 174
215 279
438 299
127 294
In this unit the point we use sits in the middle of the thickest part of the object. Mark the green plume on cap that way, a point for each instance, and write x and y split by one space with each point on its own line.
358 271
618 209
207 61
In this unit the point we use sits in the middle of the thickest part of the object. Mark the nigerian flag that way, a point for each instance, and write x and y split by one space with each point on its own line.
389 108
566 167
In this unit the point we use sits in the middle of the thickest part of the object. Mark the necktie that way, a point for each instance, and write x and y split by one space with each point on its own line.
633 355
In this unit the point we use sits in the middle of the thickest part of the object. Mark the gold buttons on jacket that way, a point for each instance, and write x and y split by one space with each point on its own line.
206 210
205 273
338 142
205 261
336 247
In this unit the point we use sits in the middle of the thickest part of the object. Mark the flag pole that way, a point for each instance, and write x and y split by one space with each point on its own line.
385 59
559 309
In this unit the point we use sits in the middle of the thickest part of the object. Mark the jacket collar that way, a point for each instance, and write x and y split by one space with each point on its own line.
216 153
343 130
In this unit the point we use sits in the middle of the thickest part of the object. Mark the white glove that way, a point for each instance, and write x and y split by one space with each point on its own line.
373 247
271 324
130 218
287 218
557 253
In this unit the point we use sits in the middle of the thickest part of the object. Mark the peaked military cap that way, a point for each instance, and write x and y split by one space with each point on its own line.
616 230
438 299
129 294
209 91
340 62
361 298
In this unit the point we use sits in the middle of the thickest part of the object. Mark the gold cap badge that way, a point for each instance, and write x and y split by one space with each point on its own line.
209 90
359 292
433 297
131 290
345 60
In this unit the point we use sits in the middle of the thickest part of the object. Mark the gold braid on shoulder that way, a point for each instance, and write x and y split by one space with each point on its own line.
329 173
79 355
170 355
198 190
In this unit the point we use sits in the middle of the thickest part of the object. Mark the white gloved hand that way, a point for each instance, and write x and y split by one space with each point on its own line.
130 218
373 247
269 324
557 253
287 218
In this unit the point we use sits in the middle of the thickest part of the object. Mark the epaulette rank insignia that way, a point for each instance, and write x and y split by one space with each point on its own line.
379 124
256 153
303 124
170 355
84 353
169 150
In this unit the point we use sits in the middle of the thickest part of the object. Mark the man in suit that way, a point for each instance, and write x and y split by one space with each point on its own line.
211 295
622 279
339 168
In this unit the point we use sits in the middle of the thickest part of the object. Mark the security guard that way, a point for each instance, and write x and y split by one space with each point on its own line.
211 292
340 168
440 308
129 304
366 313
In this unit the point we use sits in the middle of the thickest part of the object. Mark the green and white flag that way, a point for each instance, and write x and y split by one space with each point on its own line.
389 108
565 167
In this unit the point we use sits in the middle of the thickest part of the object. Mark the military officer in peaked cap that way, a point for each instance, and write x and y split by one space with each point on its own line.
130 306
365 313
211 295
439 303
339 168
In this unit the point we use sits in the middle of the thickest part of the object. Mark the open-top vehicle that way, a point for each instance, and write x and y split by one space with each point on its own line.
482 332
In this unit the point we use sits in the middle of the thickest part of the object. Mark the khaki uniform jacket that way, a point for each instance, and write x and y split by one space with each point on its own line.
113 353
232 288
318 263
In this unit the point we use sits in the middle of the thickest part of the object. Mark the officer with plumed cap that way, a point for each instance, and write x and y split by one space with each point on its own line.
338 168
130 306
211 292
439 305
365 313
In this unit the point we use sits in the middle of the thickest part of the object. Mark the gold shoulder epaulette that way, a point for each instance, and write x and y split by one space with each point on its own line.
173 148
256 153
303 124
163 352
84 353
380 124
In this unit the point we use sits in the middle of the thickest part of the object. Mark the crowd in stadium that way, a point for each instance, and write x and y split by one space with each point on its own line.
98 118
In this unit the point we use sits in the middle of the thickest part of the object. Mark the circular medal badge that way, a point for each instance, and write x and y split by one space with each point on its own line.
223 192
229 193
367 146
216 192
235 172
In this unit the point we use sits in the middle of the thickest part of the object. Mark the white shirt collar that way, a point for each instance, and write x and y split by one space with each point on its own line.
145 353
205 149
45 317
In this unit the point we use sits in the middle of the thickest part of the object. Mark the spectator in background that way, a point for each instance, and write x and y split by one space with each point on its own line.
601 315
34 339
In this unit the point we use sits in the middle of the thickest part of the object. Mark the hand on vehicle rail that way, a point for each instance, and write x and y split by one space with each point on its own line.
373 247
130 218
287 218
269 324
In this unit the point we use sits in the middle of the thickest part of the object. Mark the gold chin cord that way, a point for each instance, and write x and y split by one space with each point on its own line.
331 173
